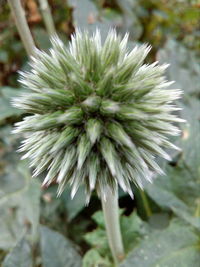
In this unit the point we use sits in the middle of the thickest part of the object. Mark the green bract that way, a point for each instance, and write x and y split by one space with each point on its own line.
100 115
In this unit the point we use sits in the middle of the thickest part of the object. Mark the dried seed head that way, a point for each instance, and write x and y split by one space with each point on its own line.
100 115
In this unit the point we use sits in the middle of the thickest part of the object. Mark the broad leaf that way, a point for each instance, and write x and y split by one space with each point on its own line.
75 205
130 23
86 17
167 199
20 256
6 109
20 213
184 68
57 251
190 141
179 189
132 227
178 245
93 258
19 195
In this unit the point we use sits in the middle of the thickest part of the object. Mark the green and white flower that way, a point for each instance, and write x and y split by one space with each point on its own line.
99 115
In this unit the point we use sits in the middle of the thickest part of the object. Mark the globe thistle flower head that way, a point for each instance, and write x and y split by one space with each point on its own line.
98 116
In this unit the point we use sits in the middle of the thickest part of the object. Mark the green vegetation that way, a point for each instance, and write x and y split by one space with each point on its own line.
161 226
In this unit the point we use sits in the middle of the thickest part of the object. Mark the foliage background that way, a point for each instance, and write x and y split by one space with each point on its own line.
161 226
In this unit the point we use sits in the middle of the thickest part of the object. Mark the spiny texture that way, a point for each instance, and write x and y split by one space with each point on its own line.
100 115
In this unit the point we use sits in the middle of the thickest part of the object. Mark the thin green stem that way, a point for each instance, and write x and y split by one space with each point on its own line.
22 26
46 13
145 203
197 210
111 217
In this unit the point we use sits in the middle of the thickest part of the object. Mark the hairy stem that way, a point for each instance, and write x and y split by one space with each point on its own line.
22 26
145 203
111 217
46 13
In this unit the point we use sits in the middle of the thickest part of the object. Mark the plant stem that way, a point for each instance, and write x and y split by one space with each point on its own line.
145 203
197 211
46 13
111 217
22 26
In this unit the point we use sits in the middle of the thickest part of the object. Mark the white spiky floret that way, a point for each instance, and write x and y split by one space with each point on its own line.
99 115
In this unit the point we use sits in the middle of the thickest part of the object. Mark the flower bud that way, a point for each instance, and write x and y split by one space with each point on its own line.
99 115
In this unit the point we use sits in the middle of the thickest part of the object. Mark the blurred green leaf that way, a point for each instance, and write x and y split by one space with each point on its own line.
93 258
42 38
130 21
6 109
29 202
178 245
98 239
179 190
75 205
19 205
12 178
4 56
190 141
184 67
159 220
20 256
10 231
11 182
167 199
132 227
19 214
99 219
87 17
57 251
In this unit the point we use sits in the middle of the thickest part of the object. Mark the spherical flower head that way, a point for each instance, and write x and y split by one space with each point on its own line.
99 115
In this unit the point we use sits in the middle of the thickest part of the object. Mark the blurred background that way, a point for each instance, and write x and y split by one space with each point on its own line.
160 226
